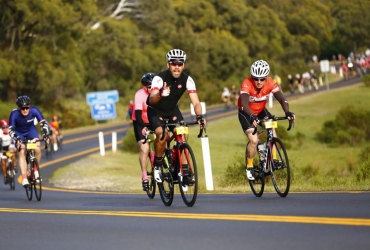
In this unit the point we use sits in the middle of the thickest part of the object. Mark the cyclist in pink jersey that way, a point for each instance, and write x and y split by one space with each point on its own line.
141 123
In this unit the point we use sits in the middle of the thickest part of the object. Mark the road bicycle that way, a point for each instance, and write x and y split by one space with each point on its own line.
271 160
35 182
179 165
10 169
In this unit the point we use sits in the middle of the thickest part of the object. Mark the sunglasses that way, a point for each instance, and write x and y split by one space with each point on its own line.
259 79
176 64
25 108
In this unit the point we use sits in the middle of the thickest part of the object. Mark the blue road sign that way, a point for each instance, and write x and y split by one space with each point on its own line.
102 97
103 111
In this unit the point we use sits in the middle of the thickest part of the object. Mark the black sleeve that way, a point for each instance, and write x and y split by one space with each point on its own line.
139 120
281 99
245 101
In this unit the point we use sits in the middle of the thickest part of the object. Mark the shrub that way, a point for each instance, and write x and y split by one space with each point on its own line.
366 80
234 173
363 172
350 126
129 143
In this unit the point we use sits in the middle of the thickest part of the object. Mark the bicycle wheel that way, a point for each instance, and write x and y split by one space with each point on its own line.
49 152
280 170
166 187
258 184
11 175
151 185
37 186
60 142
188 181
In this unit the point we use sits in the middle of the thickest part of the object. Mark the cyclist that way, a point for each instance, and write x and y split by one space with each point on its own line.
56 123
130 109
167 88
234 95
21 125
6 144
277 80
254 92
291 83
141 123
225 96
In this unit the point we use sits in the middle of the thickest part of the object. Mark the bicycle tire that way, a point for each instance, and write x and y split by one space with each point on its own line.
280 169
37 183
11 175
49 152
166 188
188 181
60 142
151 182
258 184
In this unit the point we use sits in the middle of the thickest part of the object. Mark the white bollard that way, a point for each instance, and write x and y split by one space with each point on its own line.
341 72
101 143
320 81
270 100
207 163
114 142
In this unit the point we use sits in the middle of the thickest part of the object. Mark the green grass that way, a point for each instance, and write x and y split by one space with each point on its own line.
315 166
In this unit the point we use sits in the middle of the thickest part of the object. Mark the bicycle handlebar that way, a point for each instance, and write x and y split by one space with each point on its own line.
181 123
272 117
25 141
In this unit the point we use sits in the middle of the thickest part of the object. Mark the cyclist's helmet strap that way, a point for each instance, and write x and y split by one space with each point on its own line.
176 55
260 68
23 101
146 79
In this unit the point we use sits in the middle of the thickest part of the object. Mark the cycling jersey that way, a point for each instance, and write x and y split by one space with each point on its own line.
24 125
257 97
177 86
140 104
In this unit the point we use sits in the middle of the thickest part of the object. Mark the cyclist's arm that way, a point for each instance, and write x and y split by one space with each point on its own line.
244 98
155 94
281 99
196 103
139 119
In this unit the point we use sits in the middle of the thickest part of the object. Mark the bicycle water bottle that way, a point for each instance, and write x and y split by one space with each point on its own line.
169 157
262 150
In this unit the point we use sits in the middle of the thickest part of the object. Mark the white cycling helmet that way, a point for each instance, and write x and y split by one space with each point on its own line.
176 55
260 68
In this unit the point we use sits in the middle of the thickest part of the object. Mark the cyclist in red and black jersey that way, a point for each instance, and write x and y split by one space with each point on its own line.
254 93
167 88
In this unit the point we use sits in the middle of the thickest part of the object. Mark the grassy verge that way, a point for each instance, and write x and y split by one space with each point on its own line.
315 166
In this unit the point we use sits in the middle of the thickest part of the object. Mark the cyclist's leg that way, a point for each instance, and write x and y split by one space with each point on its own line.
143 154
4 166
23 164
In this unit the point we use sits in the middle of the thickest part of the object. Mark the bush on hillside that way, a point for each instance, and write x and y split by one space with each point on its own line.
350 126
129 143
366 80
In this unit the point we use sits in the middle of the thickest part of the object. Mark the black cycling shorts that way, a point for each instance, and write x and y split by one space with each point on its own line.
244 118
156 117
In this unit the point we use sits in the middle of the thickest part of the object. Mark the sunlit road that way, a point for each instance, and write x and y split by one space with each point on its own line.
66 219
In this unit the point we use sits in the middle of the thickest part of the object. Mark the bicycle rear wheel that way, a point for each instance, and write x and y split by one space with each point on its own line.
37 186
11 175
258 184
188 175
280 169
151 182
49 152
166 188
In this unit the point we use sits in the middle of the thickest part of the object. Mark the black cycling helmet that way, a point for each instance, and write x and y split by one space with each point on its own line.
23 101
147 79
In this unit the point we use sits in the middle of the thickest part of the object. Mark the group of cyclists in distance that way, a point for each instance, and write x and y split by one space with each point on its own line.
158 100
21 126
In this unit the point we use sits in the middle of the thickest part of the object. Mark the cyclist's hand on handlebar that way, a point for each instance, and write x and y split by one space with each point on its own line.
254 120
290 115
201 121
145 131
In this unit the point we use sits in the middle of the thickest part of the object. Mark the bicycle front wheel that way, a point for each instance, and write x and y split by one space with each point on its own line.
280 169
166 187
151 185
37 186
11 175
258 184
188 175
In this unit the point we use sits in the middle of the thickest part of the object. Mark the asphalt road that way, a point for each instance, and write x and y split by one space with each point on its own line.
66 219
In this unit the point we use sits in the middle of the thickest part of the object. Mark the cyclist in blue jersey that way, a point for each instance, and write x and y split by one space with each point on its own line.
21 125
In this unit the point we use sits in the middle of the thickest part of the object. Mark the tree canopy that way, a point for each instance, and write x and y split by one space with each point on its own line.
59 49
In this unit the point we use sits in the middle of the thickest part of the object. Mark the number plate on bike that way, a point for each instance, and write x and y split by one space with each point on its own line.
31 145
271 124
182 130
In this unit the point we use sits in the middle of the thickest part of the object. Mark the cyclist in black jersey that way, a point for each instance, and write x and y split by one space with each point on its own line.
167 88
